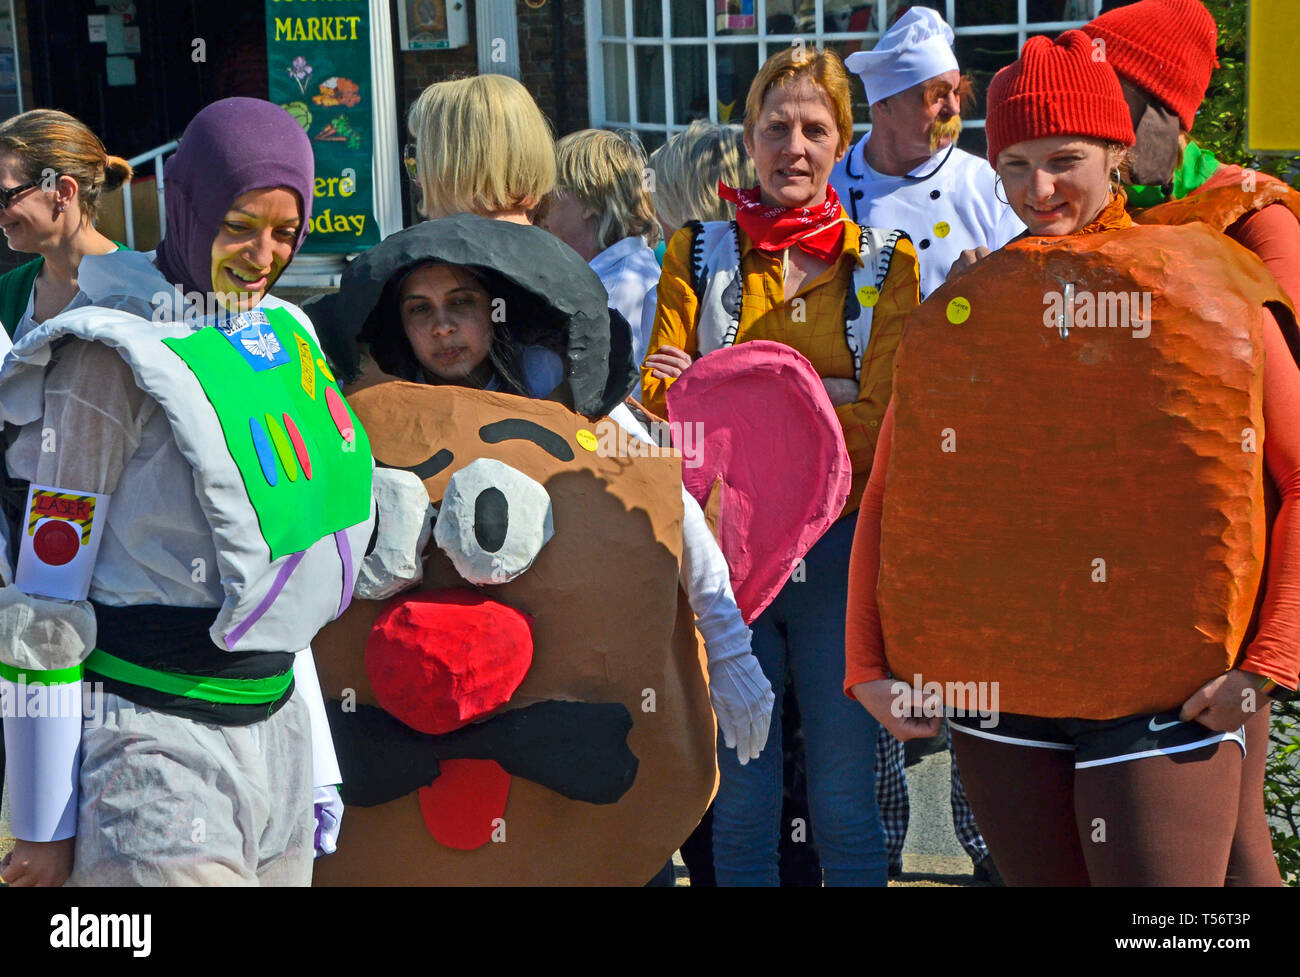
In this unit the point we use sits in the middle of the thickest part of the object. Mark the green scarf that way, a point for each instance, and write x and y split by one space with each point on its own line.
1198 166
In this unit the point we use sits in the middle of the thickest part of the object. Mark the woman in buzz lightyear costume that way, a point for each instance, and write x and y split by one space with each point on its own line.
198 506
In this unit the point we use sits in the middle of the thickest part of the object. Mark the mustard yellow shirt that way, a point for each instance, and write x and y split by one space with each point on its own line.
814 326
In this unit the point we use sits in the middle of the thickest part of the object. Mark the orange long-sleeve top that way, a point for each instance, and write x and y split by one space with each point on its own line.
815 327
1272 232
1275 650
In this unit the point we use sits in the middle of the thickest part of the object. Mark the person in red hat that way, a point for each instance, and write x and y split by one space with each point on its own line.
1062 542
1164 54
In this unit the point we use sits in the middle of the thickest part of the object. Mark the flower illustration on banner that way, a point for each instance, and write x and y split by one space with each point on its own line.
300 71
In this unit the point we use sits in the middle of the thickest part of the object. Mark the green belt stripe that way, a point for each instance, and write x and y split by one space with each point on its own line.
52 676
230 691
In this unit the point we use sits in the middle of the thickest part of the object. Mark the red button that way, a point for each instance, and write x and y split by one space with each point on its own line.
56 542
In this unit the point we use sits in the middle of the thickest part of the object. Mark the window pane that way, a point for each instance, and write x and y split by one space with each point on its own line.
616 109
737 66
858 16
689 19
611 18
1078 10
844 49
650 84
981 56
690 83
969 12
652 139
781 17
648 18
734 17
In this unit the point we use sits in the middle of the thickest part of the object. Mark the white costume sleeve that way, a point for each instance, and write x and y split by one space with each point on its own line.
42 645
741 694
93 414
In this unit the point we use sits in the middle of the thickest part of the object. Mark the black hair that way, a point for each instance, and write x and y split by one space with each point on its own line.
392 351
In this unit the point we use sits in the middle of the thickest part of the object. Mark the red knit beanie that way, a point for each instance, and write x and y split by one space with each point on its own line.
1056 89
1165 47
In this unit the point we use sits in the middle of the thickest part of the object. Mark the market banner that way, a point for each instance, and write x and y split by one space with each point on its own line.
319 69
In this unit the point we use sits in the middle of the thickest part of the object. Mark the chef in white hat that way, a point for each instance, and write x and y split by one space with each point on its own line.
907 172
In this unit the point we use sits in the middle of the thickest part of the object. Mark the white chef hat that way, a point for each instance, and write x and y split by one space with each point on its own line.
914 50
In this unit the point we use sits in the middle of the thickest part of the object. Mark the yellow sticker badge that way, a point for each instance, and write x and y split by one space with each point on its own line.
325 370
958 310
868 295
586 439
308 367
941 229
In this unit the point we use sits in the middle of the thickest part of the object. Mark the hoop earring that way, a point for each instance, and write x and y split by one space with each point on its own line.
997 182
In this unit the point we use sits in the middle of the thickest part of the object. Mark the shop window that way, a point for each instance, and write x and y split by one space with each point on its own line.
695 59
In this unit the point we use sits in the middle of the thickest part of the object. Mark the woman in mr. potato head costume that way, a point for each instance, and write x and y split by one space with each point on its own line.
537 711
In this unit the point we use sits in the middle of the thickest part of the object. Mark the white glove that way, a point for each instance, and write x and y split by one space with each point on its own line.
404 517
742 696
743 700
328 807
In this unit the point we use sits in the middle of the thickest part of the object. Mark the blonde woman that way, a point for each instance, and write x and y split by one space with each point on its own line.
687 169
784 272
601 208
481 146
53 170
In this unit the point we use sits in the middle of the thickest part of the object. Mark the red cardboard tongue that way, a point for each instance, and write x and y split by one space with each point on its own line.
460 807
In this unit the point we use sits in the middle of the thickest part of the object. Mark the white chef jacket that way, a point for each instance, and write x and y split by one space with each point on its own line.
946 206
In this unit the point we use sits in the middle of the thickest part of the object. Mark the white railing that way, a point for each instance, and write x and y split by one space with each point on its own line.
155 157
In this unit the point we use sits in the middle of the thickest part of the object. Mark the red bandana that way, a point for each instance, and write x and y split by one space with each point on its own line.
817 230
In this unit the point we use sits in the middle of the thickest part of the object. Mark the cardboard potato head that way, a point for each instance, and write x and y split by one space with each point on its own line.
536 711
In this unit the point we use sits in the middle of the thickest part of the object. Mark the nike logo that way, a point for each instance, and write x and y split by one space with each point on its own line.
1156 727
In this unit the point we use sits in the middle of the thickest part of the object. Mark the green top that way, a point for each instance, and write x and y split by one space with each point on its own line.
1197 167
16 291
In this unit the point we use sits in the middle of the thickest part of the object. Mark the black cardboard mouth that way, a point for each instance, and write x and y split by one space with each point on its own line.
577 749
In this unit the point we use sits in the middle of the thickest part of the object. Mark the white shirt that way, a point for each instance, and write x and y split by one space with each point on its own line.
947 205
628 271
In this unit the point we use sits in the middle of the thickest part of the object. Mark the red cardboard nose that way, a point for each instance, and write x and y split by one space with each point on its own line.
441 659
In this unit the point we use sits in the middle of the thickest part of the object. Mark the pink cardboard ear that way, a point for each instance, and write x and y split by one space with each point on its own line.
757 417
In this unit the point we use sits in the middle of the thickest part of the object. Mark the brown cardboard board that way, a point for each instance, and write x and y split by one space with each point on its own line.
610 625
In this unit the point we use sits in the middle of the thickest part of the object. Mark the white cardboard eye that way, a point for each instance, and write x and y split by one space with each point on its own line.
493 521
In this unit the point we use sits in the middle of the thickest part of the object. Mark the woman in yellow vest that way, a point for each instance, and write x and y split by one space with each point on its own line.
794 269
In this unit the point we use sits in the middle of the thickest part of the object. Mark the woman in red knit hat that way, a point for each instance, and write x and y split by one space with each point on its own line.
1164 53
1069 557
